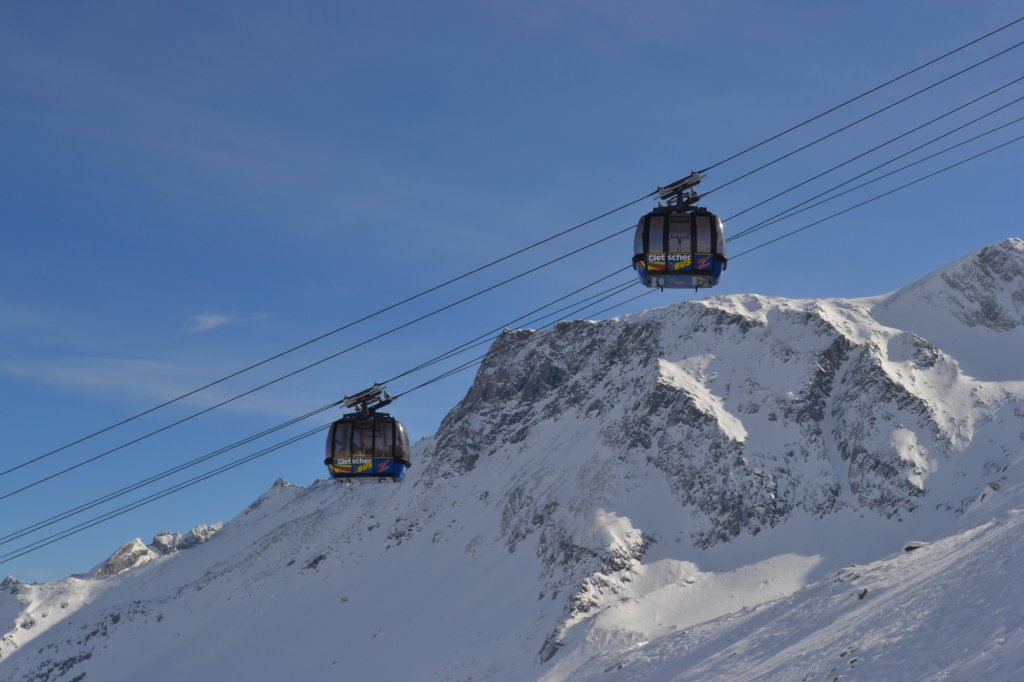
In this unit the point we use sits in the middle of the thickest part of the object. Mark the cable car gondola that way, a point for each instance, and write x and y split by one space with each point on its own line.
368 443
679 245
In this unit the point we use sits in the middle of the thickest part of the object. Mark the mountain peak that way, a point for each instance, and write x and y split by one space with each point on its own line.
130 555
972 308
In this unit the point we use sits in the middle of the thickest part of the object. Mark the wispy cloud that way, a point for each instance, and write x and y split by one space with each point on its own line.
204 322
158 381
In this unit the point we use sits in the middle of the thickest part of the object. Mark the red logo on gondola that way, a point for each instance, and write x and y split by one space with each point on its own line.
703 262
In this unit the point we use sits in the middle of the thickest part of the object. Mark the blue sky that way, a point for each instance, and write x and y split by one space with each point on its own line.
190 189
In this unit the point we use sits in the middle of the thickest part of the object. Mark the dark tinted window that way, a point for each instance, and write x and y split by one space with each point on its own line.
330 447
703 234
340 441
679 234
656 242
368 439
403 441
362 439
384 439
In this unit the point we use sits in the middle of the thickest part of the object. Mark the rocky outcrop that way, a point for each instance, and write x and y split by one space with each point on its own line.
130 555
170 542
136 553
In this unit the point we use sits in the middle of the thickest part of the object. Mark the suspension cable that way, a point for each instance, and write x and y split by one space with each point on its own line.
796 210
864 118
10 537
477 360
879 196
885 144
861 95
95 521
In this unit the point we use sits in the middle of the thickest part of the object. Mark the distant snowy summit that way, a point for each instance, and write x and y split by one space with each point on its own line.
973 309
136 552
983 290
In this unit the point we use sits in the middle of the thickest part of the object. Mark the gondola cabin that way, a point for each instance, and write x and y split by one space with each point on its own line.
679 247
368 445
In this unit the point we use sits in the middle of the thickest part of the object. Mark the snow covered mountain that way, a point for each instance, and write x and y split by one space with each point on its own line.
721 489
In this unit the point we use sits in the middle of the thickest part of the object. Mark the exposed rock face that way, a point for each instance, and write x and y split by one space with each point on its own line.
666 389
972 309
136 552
170 542
132 554
989 291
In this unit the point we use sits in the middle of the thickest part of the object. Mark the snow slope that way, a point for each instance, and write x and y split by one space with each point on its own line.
949 610
973 309
675 494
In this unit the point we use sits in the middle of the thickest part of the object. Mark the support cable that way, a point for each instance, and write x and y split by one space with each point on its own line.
479 359
861 95
888 142
486 336
97 520
28 530
879 196
864 118
796 210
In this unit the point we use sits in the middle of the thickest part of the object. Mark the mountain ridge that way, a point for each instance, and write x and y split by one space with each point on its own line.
602 485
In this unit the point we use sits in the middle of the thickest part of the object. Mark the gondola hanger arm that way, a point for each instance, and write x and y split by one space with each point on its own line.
682 192
368 400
